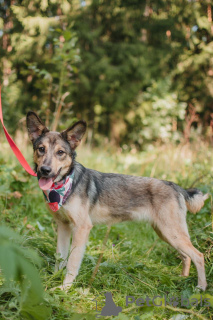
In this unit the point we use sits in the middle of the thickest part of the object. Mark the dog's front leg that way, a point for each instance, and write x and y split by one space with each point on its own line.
63 243
80 236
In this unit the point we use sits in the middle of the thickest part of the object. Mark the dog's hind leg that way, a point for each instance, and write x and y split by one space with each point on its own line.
175 235
185 247
185 259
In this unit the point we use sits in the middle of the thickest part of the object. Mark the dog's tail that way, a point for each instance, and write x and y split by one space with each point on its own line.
194 199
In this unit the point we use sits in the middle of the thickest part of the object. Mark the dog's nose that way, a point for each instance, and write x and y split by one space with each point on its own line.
45 170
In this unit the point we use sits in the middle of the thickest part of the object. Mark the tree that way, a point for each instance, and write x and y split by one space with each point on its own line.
38 52
101 61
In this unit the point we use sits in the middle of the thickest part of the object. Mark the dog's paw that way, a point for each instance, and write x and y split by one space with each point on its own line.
63 287
201 287
66 285
56 288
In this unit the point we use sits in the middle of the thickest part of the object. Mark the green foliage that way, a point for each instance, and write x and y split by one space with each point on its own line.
193 73
156 115
101 61
17 265
113 64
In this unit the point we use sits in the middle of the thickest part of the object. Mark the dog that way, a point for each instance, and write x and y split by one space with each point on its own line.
91 197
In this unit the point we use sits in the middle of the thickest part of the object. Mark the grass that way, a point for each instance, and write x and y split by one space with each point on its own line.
135 262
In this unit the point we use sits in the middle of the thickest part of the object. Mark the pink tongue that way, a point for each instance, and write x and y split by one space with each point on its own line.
45 184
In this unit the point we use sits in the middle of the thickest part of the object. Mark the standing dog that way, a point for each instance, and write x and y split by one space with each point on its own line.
90 197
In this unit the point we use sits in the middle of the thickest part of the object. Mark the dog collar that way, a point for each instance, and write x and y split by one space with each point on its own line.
57 195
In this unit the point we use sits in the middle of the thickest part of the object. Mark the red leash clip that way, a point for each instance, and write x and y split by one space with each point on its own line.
14 147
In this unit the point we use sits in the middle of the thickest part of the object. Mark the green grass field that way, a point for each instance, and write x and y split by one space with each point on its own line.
135 262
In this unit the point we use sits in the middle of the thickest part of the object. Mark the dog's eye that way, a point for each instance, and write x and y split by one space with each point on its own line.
41 149
60 152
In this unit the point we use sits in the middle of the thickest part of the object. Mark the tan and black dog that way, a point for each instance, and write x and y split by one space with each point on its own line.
97 197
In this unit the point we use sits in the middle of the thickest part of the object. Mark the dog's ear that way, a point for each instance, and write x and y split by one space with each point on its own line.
35 126
75 133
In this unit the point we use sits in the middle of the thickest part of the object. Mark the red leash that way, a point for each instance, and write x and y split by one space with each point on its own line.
14 147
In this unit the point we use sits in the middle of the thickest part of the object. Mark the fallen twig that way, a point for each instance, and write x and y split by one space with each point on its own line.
186 311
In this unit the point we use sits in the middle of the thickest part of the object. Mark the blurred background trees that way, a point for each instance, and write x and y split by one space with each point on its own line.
138 71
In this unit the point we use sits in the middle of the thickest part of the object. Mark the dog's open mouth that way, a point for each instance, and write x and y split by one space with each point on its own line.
46 183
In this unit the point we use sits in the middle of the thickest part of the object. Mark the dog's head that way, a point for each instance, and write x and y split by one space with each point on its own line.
54 152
